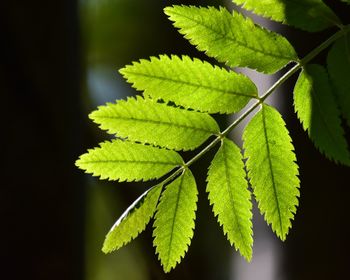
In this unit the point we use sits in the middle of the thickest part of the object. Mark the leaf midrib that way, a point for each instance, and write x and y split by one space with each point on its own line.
173 222
159 123
130 161
234 40
231 195
271 169
190 84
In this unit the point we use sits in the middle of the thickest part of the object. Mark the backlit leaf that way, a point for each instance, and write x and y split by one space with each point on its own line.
272 169
133 221
174 220
231 38
126 161
229 195
191 83
147 121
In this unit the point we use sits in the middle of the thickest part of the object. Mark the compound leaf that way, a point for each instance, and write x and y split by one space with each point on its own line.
308 15
232 38
147 121
191 83
133 221
174 220
317 110
338 61
272 169
126 161
230 197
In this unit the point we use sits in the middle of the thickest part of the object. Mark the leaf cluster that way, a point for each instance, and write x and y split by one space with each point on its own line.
173 114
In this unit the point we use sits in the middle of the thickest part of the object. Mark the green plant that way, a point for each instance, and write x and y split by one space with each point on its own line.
179 93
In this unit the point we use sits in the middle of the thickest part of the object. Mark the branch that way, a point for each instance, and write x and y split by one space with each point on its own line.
342 32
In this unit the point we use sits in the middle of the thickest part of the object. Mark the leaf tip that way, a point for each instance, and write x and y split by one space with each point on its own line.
78 163
168 10
106 249
248 257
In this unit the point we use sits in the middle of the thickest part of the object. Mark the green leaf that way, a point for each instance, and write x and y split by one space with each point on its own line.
232 38
147 121
133 221
317 110
229 195
272 169
338 61
309 15
346 1
174 220
191 83
126 161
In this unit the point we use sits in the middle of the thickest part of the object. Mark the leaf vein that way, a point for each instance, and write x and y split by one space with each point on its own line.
159 122
271 169
197 86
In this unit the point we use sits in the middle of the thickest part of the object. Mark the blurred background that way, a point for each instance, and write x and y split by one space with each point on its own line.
59 61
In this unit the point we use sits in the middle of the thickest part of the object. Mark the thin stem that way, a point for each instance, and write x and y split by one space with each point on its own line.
278 83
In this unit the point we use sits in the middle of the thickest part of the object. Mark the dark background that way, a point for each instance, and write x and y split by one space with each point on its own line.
59 60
